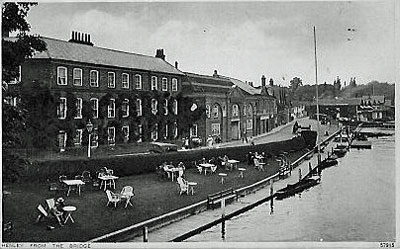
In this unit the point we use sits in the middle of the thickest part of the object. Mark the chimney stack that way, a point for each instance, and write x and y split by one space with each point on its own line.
215 73
271 82
251 83
160 54
176 64
77 38
263 80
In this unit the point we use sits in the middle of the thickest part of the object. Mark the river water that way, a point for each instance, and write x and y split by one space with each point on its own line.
355 201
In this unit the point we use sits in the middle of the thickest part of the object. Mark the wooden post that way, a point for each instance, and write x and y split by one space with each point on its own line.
145 234
271 189
223 208
309 167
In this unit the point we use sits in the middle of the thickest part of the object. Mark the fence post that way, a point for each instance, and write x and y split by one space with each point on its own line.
145 234
223 208
299 174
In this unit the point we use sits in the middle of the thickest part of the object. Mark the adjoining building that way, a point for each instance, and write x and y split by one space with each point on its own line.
234 109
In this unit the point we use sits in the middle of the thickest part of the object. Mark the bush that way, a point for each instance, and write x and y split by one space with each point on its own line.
146 163
13 167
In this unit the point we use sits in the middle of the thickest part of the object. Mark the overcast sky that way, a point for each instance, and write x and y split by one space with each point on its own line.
242 40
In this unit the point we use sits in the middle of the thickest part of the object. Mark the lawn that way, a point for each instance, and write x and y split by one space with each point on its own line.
154 196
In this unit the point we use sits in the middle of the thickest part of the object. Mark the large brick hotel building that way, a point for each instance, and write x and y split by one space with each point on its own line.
113 82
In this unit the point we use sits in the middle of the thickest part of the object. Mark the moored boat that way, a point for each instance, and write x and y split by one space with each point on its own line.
292 189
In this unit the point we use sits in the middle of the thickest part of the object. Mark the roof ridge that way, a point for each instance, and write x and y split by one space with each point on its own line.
110 49
208 76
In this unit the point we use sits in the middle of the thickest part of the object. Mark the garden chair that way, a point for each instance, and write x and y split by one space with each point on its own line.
44 214
127 193
86 178
258 165
200 169
112 198
183 186
213 169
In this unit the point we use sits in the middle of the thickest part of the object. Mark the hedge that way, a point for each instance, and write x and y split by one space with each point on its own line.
146 163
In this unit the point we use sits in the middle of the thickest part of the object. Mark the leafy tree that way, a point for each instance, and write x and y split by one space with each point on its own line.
295 83
14 52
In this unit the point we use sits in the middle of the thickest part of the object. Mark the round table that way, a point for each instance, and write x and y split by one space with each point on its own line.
69 210
191 186
241 171
222 175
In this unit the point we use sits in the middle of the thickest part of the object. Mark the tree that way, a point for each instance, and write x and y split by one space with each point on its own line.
294 84
14 52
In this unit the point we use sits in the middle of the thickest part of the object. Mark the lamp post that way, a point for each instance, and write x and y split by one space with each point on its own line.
89 127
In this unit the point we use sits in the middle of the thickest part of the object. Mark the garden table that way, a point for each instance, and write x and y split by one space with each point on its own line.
173 172
241 172
191 187
69 210
107 180
206 166
234 163
71 183
222 175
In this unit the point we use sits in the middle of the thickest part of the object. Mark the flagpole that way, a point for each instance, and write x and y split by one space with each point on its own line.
316 91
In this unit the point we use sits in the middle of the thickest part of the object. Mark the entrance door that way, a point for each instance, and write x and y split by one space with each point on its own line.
235 130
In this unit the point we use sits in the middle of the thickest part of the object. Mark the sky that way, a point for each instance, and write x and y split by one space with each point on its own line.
244 40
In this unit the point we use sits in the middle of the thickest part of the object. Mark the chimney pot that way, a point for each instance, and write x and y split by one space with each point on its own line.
215 73
176 64
263 80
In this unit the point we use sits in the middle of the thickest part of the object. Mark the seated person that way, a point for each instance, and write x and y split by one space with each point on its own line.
212 160
181 165
203 160
58 211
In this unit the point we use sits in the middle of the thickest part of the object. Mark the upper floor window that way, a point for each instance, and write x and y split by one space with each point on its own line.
175 106
208 111
62 108
138 107
244 110
154 83
94 78
125 80
166 107
138 81
61 76
111 108
164 85
249 110
78 108
77 77
125 108
95 107
174 85
111 79
154 104
215 111
235 110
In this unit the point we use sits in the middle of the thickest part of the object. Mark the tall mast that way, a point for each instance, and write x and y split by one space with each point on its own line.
316 91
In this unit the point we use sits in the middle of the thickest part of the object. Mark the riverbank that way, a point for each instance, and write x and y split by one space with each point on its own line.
154 197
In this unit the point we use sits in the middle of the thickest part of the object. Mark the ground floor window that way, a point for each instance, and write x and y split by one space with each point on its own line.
166 131
111 135
94 138
62 140
140 133
193 130
78 137
175 129
154 133
249 124
125 132
216 129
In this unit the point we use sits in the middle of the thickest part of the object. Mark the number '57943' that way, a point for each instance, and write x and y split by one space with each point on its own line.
386 244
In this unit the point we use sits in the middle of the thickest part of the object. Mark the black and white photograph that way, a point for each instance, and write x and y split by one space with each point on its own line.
199 124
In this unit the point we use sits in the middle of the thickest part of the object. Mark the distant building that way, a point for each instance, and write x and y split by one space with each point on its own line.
374 108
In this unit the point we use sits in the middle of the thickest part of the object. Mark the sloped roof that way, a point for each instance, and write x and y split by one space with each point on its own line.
243 85
70 51
338 101
206 83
